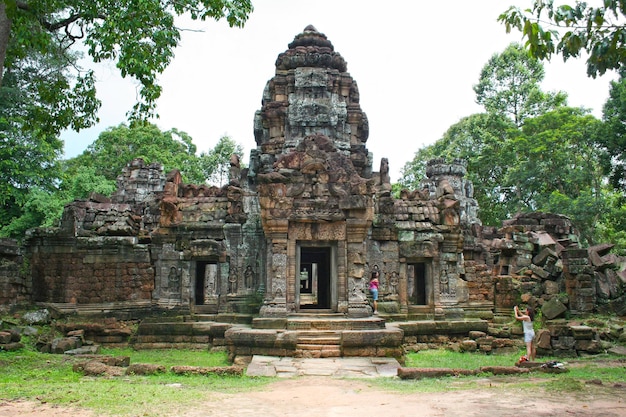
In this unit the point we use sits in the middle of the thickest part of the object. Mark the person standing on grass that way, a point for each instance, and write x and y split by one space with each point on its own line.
373 287
526 317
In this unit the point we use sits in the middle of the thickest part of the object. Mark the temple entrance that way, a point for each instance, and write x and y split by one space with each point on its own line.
313 282
205 286
418 283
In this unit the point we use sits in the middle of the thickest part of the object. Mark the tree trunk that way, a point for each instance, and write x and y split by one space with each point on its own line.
5 32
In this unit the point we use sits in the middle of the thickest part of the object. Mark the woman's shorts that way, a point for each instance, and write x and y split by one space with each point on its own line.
374 294
529 337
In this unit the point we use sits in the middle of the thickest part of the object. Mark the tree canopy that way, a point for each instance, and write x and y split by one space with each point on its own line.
43 91
117 146
138 35
97 168
568 30
613 137
215 163
555 160
509 85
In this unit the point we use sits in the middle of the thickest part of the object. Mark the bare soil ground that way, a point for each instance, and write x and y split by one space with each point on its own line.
328 397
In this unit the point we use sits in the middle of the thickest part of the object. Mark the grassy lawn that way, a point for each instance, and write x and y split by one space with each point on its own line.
48 378
606 368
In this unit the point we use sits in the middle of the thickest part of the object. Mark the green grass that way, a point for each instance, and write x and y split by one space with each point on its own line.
46 378
580 370
450 359
172 357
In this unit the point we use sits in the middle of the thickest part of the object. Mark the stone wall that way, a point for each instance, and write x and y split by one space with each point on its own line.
15 285
88 271
539 262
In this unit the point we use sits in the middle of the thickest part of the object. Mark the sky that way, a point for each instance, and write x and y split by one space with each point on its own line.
415 63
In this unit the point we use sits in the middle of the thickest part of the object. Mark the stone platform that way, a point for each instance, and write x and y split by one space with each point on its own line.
352 367
315 336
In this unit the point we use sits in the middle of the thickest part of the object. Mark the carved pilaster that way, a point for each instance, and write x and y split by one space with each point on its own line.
356 230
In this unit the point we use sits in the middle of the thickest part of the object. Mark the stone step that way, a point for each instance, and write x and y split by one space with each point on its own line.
317 351
319 338
319 322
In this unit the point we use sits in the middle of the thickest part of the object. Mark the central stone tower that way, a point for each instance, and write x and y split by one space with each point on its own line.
313 175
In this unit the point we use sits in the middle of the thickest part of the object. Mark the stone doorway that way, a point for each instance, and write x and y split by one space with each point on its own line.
314 278
420 284
206 283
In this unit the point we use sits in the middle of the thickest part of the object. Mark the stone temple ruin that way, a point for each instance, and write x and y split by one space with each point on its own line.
286 248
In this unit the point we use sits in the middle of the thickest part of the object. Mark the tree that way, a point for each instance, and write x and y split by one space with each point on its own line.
509 85
117 146
31 119
216 162
43 208
568 30
613 137
551 164
478 139
555 166
139 35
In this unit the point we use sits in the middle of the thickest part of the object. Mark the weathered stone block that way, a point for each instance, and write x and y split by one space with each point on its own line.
468 346
582 332
553 309
588 346
544 339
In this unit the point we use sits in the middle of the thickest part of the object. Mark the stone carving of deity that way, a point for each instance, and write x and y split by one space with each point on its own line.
232 282
173 280
444 284
249 278
393 282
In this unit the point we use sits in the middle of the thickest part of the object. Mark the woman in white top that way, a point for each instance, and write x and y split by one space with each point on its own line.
526 318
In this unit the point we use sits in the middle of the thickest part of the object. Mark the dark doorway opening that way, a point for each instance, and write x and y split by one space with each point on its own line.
314 277
418 272
206 282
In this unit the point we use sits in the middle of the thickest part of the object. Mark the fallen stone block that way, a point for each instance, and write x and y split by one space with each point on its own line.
95 368
145 369
504 370
214 370
83 350
11 347
122 361
419 373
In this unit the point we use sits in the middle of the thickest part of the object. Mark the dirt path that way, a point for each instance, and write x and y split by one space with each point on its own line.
327 397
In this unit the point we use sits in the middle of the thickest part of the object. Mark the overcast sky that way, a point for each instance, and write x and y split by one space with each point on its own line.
415 63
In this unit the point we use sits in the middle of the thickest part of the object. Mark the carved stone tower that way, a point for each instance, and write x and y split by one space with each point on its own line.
313 175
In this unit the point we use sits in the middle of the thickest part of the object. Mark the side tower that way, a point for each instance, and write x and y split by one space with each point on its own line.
312 172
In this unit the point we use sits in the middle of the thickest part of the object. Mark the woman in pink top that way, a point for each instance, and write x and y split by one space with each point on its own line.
373 287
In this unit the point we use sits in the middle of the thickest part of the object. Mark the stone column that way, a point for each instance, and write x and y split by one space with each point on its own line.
403 287
355 284
276 302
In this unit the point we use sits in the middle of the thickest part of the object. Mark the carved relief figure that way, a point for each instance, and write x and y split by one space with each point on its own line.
249 278
173 280
444 284
232 282
393 283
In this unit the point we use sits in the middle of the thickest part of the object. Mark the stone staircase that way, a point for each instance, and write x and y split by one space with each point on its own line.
316 336
318 344
301 335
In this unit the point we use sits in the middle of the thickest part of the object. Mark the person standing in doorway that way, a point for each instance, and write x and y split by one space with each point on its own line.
373 287
526 317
